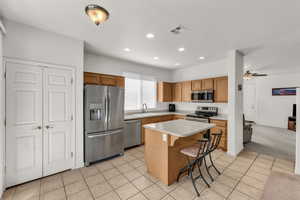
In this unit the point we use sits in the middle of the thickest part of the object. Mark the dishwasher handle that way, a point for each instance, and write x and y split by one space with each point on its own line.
132 121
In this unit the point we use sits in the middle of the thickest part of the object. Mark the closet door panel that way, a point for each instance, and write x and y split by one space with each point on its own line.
58 109
23 123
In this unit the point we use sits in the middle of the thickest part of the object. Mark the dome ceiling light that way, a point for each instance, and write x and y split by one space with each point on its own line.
96 13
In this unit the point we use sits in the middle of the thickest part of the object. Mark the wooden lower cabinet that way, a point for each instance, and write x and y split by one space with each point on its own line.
221 125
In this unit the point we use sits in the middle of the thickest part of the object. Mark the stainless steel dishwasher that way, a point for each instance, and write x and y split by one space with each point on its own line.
132 136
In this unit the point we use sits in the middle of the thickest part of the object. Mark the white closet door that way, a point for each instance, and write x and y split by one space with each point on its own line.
24 152
58 109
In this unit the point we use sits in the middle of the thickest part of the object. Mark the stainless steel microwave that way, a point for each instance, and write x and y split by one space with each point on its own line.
205 96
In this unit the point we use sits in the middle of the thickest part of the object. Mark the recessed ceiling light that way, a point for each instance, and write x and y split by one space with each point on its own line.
181 49
150 35
127 49
201 57
177 64
155 58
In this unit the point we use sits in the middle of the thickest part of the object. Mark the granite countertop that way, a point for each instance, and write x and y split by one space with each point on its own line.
219 117
153 114
162 113
180 127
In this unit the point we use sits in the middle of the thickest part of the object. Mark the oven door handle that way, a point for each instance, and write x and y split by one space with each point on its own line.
197 119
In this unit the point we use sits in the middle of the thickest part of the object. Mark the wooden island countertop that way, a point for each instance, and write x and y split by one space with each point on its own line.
163 142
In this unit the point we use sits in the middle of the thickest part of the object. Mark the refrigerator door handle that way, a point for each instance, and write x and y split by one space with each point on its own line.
106 112
106 134
108 109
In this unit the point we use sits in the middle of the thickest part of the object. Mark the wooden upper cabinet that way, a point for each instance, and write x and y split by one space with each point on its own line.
208 84
164 92
104 79
91 78
196 85
221 89
121 81
177 92
203 84
186 90
108 80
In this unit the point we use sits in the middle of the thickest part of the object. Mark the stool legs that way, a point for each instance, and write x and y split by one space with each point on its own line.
212 164
201 175
193 181
207 169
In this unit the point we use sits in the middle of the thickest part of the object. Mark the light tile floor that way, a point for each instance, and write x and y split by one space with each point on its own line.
242 178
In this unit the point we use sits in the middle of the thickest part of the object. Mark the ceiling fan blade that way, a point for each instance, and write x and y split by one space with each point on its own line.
259 74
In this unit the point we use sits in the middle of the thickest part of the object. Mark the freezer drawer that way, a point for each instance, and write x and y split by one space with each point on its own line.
132 133
99 146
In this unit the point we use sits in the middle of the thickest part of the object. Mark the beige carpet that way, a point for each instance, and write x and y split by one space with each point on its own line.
281 186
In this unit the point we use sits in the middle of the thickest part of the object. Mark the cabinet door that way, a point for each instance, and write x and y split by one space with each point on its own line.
164 92
223 142
208 84
58 120
121 82
221 89
177 92
24 114
186 91
91 78
175 117
108 80
196 85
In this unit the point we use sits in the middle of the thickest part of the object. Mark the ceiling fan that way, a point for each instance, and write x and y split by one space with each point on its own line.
250 75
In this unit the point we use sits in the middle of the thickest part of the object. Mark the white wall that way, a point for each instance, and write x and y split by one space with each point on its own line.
2 111
205 70
114 66
235 67
273 110
32 44
297 167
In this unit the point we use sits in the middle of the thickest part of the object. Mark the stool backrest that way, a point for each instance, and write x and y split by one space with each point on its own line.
214 141
203 147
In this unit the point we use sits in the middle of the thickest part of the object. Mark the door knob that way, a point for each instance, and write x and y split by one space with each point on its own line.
48 127
39 127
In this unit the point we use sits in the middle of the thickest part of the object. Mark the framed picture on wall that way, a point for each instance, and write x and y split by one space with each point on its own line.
284 91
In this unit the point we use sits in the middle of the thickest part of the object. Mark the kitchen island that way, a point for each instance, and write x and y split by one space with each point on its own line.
163 142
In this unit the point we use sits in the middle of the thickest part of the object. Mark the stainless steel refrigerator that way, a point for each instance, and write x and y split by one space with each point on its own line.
103 122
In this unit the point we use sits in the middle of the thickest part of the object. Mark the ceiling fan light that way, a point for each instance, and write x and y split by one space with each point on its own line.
97 13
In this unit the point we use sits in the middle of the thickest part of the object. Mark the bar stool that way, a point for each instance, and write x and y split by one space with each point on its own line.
195 155
213 144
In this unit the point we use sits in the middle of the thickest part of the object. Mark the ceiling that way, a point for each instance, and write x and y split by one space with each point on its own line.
213 27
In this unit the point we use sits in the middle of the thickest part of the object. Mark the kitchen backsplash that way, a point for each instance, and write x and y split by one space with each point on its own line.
186 106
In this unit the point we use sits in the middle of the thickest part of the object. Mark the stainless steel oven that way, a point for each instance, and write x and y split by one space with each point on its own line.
205 96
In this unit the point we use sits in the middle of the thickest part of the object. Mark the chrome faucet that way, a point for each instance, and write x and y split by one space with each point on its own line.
145 108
